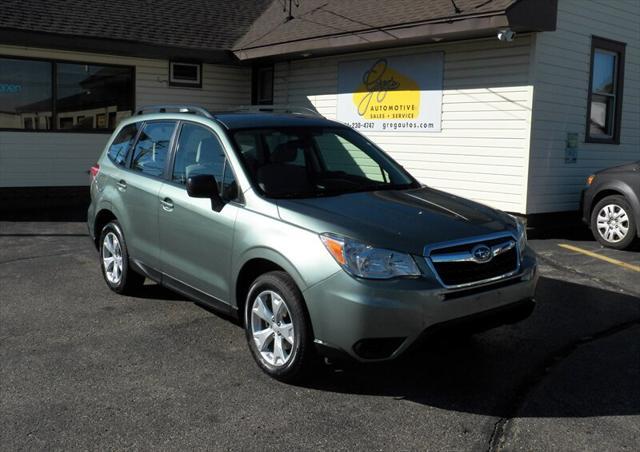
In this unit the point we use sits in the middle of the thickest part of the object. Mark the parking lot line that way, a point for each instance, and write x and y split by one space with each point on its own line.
611 260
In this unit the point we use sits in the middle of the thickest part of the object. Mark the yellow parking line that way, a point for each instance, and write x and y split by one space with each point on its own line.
632 267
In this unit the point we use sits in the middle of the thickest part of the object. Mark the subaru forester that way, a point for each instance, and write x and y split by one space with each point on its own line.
317 241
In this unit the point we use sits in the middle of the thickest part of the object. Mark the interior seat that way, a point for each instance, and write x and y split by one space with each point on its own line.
281 176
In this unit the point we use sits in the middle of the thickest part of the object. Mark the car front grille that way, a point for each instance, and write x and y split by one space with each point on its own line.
456 265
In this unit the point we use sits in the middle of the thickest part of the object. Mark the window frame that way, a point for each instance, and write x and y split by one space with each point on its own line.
54 93
184 83
617 47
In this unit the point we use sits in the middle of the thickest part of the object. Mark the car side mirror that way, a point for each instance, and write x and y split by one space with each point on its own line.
205 186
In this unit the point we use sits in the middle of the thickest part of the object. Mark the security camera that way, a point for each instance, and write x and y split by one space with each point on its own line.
506 35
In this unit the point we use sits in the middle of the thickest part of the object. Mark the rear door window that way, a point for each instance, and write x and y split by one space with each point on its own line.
121 145
152 148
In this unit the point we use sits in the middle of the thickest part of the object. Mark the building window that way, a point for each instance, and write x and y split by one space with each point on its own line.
26 94
604 108
86 94
185 74
262 89
53 95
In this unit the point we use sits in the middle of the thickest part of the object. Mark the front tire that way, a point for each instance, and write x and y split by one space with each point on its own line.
114 261
277 327
613 223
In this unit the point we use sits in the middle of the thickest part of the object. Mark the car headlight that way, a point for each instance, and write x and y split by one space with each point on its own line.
365 261
521 228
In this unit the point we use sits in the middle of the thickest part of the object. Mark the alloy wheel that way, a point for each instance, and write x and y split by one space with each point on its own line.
112 258
272 328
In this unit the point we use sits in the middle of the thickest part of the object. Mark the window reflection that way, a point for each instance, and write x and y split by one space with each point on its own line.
92 97
152 148
604 64
25 94
87 96
603 93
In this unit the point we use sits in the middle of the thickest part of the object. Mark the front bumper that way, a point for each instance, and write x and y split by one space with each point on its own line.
585 207
379 320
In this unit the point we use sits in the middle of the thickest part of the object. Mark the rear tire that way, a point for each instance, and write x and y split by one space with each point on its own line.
613 223
114 261
277 327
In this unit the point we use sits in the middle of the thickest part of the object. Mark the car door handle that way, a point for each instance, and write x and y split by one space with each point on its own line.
122 185
167 204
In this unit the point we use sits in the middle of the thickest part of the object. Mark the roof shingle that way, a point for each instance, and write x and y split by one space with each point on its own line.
192 24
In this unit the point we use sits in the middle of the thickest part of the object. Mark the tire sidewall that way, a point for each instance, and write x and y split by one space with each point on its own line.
114 227
623 204
272 281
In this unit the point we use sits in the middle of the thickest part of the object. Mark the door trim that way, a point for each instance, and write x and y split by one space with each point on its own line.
185 289
198 295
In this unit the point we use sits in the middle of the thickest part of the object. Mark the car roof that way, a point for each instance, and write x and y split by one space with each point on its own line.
251 117
254 120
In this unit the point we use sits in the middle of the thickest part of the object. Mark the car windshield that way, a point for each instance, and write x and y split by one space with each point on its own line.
316 161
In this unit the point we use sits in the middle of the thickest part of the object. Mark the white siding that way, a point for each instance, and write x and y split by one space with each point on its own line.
561 78
482 151
58 159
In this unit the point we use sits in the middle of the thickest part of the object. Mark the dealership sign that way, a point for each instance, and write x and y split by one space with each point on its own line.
401 93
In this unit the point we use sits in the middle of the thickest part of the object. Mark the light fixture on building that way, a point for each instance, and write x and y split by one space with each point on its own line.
506 35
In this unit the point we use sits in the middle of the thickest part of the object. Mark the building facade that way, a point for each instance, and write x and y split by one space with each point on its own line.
515 122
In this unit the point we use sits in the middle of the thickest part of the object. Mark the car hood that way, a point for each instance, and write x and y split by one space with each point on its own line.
628 167
404 220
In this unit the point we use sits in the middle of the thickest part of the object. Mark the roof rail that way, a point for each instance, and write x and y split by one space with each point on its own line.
292 109
194 109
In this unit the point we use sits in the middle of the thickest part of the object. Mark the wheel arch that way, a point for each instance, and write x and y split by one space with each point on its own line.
256 263
103 217
603 194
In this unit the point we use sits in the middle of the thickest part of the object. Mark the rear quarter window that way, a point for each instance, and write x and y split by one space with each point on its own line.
121 146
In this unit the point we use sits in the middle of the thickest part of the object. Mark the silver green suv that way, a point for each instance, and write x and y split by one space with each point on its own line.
314 238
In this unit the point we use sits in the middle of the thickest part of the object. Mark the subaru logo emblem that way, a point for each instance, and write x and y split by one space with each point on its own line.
481 254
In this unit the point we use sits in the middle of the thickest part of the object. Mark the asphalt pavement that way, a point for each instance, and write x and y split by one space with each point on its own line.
84 368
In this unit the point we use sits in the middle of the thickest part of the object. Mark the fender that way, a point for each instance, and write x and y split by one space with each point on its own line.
270 255
94 210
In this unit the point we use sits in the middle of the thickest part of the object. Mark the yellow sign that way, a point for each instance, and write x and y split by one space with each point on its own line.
392 93
386 93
